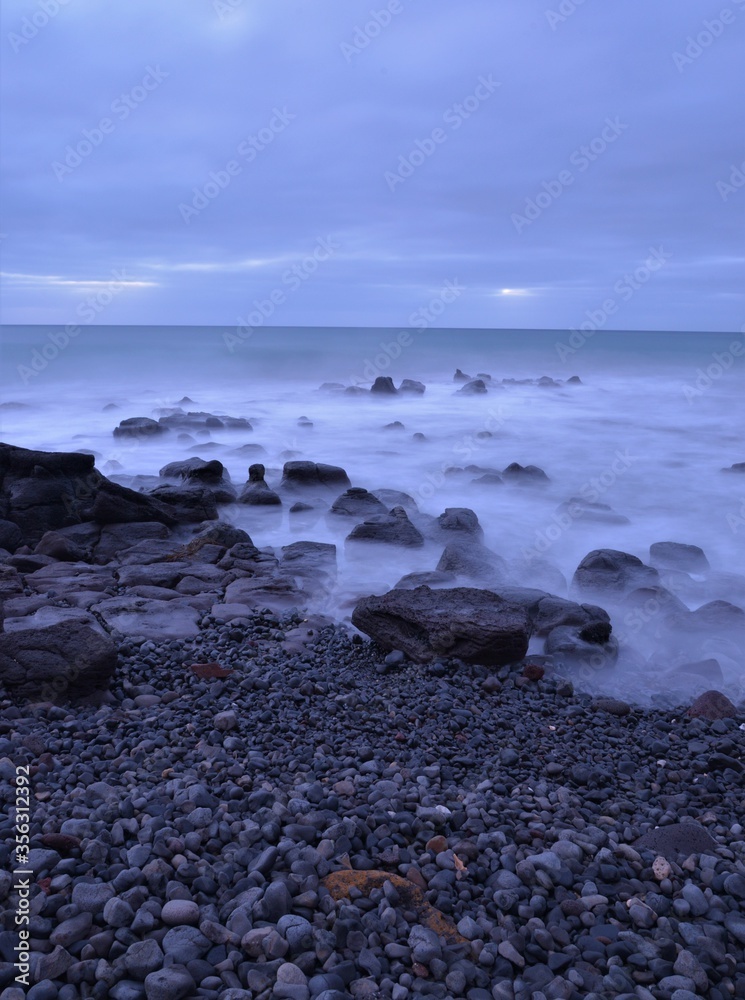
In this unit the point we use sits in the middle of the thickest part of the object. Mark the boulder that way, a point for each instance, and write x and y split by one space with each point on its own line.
157 620
412 386
116 538
608 570
589 646
712 705
256 492
461 376
199 420
75 543
384 386
517 473
301 475
475 387
460 521
358 503
553 612
579 509
468 558
392 528
737 467
676 555
66 660
429 578
677 841
313 562
395 498
476 626
139 427
200 501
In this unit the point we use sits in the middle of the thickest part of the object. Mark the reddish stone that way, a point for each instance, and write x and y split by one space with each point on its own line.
712 705
63 843
533 671
210 671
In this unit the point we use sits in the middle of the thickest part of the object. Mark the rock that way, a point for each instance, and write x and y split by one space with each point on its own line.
712 705
300 475
172 983
475 387
10 536
200 420
358 503
412 386
676 555
473 625
737 467
552 612
395 425
256 492
677 840
182 911
579 509
461 376
395 498
392 528
383 385
313 562
461 520
572 646
199 501
612 706
139 427
142 958
524 474
65 660
610 570
139 616
469 558
430 578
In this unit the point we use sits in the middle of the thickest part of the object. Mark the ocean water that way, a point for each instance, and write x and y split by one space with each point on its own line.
655 420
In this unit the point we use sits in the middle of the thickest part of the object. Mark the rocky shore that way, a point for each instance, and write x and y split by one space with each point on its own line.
234 796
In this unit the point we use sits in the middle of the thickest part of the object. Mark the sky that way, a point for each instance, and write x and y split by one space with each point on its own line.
346 163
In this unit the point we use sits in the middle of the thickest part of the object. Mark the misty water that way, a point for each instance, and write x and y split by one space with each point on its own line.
655 420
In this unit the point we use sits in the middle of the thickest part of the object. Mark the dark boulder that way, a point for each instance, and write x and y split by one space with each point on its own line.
676 555
677 841
383 385
45 491
428 578
256 492
517 473
412 386
199 501
67 660
553 612
476 387
737 467
460 521
191 421
76 543
357 502
139 427
392 528
301 475
10 536
461 376
476 626
613 571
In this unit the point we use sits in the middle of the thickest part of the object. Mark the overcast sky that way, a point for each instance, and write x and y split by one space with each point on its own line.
349 158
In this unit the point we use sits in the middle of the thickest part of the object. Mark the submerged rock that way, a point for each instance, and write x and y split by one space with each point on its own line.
412 386
476 626
383 385
611 570
357 502
142 427
302 475
392 528
256 492
676 555
475 387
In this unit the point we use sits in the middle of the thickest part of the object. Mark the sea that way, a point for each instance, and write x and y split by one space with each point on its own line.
654 420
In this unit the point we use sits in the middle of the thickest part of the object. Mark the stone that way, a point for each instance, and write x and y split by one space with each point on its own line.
69 659
712 705
460 520
182 911
358 503
609 570
91 896
676 555
468 558
473 625
383 385
568 645
475 387
677 840
412 386
256 492
302 475
524 474
393 528
139 427
172 983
